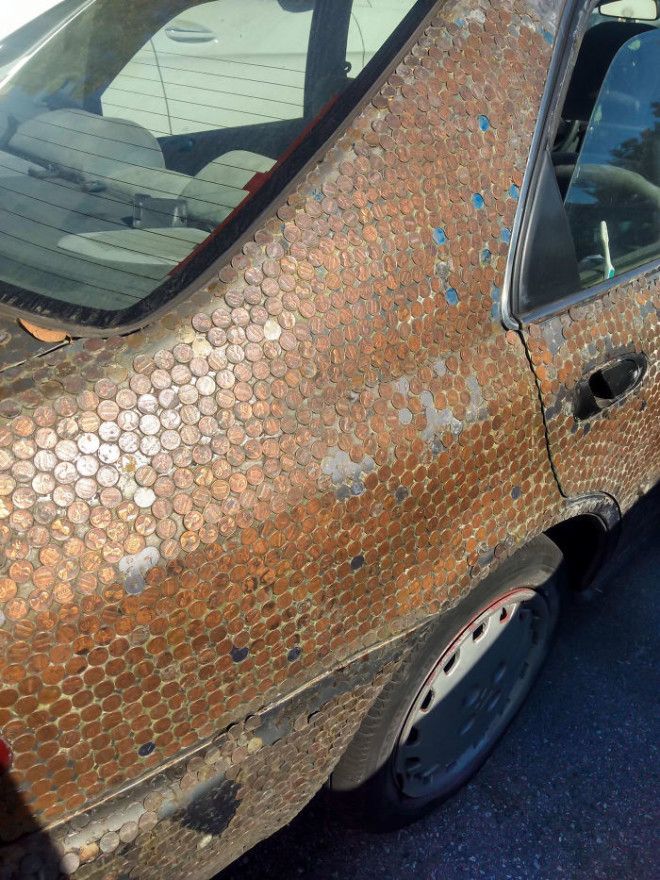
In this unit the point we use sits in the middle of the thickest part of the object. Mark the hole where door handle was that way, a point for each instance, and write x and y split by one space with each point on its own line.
608 384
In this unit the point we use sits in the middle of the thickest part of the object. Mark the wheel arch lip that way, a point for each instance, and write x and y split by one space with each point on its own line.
598 509
587 533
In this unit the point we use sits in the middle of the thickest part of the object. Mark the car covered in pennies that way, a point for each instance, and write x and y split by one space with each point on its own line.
328 369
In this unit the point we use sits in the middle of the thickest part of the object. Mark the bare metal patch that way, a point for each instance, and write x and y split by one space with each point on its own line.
135 567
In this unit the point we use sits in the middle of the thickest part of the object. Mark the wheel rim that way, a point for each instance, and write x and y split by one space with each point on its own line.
471 694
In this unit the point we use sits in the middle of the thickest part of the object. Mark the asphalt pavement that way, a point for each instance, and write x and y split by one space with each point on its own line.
571 793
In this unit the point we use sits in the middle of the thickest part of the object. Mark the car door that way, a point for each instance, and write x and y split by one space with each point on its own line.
585 284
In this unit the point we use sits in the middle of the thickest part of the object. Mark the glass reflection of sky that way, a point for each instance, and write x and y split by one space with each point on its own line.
626 118
623 132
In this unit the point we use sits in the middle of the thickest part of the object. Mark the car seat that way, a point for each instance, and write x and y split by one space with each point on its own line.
122 157
68 185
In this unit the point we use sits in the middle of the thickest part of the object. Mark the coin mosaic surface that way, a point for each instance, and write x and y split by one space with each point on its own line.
302 462
603 452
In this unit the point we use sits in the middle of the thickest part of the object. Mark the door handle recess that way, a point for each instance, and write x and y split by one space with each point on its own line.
184 32
608 384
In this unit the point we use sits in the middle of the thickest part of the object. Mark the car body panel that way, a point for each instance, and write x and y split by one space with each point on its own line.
293 470
618 449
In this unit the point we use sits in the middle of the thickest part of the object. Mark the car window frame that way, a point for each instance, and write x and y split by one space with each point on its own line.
230 240
570 33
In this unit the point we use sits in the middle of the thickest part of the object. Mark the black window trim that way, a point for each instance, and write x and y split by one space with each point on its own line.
230 240
570 32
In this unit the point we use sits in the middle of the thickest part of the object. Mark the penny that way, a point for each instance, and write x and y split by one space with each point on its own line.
16 609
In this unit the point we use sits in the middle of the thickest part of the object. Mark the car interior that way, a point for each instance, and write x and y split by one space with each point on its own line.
98 209
607 161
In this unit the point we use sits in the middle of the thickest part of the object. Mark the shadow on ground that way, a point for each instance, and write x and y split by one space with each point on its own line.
572 790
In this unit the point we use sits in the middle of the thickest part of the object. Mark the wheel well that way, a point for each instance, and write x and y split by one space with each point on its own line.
583 540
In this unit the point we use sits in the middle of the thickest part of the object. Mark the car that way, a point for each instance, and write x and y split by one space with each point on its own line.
199 81
328 372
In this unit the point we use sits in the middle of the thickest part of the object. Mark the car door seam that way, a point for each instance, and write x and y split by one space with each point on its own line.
546 429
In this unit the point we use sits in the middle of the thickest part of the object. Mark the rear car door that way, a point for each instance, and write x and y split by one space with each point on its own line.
585 279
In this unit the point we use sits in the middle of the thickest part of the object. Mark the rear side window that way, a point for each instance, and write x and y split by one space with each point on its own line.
595 214
137 141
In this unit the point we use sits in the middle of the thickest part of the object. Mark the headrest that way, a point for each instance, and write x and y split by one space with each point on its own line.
89 144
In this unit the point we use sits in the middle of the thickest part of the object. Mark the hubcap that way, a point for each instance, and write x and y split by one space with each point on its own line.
471 694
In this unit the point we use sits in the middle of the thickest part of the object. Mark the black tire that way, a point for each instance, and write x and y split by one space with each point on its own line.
364 782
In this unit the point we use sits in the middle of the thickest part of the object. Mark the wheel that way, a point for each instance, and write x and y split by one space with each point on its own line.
438 719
